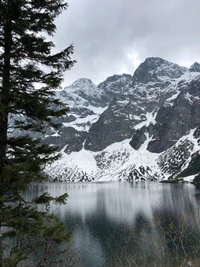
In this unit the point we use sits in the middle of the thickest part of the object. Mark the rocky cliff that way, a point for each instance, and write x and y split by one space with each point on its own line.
140 126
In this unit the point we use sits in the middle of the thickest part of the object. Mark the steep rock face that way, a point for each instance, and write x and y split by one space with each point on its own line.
155 69
144 126
114 125
134 100
69 136
138 138
193 167
195 67
175 121
114 86
85 102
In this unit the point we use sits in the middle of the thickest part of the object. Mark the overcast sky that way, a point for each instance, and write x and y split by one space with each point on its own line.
115 36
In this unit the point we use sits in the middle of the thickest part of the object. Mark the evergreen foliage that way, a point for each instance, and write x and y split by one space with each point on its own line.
27 63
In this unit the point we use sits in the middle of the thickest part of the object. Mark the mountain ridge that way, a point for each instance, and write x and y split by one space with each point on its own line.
130 126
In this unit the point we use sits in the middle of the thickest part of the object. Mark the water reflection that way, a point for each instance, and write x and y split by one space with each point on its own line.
100 214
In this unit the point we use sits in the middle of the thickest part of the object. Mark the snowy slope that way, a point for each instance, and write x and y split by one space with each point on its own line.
144 126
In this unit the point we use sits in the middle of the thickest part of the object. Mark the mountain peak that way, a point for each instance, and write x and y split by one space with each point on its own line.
154 60
195 67
82 82
157 109
155 68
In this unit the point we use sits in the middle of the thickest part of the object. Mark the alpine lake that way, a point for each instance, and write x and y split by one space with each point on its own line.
103 215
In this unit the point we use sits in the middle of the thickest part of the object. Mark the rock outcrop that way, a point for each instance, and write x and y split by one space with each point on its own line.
140 126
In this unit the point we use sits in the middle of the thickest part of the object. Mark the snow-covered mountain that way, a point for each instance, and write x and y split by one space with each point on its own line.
140 126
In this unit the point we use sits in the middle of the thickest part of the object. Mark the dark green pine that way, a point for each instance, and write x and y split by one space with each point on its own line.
27 63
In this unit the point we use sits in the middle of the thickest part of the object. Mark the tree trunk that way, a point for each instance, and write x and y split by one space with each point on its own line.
4 110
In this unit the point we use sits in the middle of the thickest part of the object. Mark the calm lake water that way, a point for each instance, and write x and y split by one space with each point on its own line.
100 213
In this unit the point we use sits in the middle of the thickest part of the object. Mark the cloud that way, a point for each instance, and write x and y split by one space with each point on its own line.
114 36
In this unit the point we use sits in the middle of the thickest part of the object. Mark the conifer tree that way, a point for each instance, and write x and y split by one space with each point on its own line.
27 63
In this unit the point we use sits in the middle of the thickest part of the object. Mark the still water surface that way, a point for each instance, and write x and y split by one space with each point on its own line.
99 213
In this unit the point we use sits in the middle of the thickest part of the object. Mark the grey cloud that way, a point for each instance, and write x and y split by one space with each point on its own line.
108 33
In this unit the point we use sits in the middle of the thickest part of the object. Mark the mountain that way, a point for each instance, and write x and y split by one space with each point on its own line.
140 126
